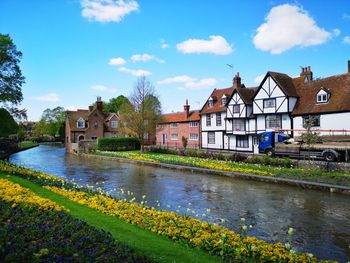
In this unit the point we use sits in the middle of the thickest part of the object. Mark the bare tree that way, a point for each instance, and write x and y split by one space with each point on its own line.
139 118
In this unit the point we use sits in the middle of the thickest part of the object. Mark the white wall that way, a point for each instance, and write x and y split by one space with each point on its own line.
232 144
219 143
333 121
292 102
213 126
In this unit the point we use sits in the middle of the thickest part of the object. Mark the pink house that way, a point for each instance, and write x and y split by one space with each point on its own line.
176 125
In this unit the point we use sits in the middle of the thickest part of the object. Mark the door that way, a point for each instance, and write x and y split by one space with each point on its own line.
255 144
163 138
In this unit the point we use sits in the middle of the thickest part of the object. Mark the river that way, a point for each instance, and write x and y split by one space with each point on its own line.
321 219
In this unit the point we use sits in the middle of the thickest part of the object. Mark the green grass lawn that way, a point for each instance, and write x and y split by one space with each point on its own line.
27 144
335 178
155 247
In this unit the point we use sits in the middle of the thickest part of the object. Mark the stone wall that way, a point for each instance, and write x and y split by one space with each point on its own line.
324 166
87 146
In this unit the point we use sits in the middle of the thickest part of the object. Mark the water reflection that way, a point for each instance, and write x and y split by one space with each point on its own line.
321 219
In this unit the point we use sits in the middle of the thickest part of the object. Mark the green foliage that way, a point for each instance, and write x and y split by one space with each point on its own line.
118 144
115 104
32 235
11 79
184 141
51 123
310 137
275 161
8 125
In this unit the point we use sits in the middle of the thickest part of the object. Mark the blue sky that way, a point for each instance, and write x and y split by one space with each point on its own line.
76 50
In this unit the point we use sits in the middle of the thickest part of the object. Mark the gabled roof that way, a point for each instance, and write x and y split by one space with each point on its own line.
180 117
246 94
217 107
283 81
338 88
73 116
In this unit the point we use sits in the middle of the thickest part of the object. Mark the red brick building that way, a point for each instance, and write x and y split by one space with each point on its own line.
175 125
90 124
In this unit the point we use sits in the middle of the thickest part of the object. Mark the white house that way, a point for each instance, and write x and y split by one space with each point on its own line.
213 115
240 121
274 102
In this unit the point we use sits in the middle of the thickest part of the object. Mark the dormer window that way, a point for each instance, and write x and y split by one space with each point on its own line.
81 123
113 124
211 103
223 100
95 124
322 96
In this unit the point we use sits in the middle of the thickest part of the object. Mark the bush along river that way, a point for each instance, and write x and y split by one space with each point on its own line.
321 220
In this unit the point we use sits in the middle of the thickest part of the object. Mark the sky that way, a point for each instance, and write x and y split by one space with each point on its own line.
76 50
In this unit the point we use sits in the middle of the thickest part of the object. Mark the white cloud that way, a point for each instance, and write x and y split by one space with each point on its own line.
346 40
258 79
176 79
336 32
145 57
189 82
103 88
135 72
50 97
107 10
288 26
117 61
164 44
216 45
71 108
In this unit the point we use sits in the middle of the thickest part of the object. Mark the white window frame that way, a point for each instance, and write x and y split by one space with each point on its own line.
174 138
211 103
322 98
114 124
211 137
269 103
193 137
194 124
223 100
235 107
278 120
80 121
242 141
174 125
238 125
208 119
218 119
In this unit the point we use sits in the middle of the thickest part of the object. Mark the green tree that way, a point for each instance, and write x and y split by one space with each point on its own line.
139 118
11 79
8 125
115 104
51 123
310 137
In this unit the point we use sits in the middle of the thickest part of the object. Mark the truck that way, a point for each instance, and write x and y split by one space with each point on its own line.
279 144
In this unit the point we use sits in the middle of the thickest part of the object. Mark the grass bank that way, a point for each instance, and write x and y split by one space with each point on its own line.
334 178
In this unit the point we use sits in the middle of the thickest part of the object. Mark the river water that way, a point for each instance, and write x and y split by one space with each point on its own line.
321 220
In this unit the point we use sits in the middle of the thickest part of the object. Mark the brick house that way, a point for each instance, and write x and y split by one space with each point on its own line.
89 124
175 125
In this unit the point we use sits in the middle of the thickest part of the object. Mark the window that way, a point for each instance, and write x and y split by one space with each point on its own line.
208 119
223 100
218 119
273 122
211 103
236 108
146 136
238 125
93 137
174 124
194 124
113 124
242 141
95 124
313 121
193 137
269 103
322 98
81 123
174 136
211 137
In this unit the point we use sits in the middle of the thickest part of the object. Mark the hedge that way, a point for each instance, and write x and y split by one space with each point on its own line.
118 144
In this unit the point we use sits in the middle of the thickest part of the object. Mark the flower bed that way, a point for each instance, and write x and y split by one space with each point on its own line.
227 166
216 240
32 235
17 195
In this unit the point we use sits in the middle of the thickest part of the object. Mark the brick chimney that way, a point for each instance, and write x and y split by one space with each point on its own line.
91 108
237 81
307 72
99 104
348 66
187 110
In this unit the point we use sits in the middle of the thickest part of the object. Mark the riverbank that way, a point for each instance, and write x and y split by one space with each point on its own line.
313 179
96 208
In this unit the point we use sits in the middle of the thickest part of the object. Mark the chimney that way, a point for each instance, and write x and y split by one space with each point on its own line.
91 108
307 72
348 66
99 104
187 110
237 81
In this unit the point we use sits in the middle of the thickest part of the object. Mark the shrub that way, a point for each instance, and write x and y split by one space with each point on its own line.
265 160
118 144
